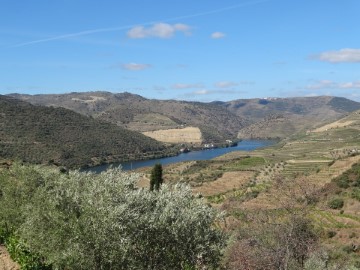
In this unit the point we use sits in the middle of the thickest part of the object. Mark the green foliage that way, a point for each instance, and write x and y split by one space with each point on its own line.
215 122
355 194
20 254
37 134
156 178
350 178
89 221
336 203
17 188
247 163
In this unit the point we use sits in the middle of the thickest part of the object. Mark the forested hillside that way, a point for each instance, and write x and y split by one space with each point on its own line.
38 134
140 114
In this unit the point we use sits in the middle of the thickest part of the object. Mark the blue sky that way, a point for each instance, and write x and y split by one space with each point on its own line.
200 50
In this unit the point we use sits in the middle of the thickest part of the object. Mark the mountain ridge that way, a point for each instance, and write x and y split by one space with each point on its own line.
217 120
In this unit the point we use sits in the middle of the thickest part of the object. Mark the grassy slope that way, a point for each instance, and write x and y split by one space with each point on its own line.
38 134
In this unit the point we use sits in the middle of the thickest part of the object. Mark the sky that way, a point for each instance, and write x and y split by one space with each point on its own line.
199 50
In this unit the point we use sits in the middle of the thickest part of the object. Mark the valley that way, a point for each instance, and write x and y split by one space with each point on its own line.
311 175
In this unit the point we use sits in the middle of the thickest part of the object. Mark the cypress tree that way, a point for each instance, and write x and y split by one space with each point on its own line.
156 177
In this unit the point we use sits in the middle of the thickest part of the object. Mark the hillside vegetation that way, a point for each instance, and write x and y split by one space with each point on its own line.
104 221
283 117
140 114
38 134
302 192
218 121
294 205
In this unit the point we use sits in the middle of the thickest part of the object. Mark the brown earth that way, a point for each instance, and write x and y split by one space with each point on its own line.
184 135
6 263
228 182
337 124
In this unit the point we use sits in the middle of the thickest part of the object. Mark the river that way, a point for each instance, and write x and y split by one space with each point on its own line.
245 145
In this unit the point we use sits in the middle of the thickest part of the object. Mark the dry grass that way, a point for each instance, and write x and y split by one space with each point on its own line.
228 182
92 100
337 124
184 135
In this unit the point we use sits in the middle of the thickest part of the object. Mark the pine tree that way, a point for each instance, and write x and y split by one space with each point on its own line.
156 177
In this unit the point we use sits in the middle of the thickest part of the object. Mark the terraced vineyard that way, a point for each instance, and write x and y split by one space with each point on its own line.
293 171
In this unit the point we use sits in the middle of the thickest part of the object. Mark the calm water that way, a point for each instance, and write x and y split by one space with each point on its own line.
245 145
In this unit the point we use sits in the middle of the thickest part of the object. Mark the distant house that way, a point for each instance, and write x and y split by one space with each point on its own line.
208 145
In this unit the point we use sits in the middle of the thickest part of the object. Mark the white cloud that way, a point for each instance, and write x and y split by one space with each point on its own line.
135 66
217 35
327 84
350 85
201 92
225 84
341 56
159 30
187 85
321 85
213 92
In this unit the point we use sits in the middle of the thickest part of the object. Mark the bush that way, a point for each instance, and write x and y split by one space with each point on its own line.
19 253
88 221
331 234
337 203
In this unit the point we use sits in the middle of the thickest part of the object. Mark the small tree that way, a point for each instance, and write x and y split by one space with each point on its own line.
156 179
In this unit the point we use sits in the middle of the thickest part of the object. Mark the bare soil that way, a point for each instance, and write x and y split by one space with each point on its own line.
6 263
184 135
228 182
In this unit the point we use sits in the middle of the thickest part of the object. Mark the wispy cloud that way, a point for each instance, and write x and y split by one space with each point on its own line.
187 85
340 56
327 84
214 92
134 66
217 35
158 30
125 27
225 84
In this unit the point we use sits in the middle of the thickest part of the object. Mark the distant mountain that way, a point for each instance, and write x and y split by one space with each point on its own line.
282 117
243 118
39 134
140 114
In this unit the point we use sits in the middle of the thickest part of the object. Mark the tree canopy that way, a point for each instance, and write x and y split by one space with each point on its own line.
104 221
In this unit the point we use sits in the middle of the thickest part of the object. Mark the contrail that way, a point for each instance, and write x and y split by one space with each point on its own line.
113 29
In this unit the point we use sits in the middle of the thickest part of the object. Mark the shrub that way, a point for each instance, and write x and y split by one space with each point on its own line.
336 203
88 221
19 253
331 234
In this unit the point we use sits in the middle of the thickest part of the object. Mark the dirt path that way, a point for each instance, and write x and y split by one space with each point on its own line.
5 261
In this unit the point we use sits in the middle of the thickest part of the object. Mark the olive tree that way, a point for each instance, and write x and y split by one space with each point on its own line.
104 221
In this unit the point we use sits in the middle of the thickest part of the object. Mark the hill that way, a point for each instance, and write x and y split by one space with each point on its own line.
313 176
136 113
282 117
39 134
217 121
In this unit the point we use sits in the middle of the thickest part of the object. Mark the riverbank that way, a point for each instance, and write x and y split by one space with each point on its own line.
245 145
